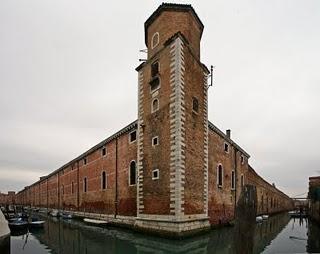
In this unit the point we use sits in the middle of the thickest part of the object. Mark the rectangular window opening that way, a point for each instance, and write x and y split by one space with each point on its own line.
133 136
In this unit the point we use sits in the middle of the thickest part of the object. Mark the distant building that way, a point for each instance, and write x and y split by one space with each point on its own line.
314 198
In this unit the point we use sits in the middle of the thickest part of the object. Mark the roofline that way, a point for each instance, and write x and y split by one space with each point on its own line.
251 168
124 130
170 7
224 136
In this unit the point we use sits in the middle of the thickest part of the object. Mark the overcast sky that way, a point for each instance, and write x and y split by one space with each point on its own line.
68 81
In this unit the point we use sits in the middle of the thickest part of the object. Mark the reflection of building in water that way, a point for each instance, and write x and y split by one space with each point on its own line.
313 238
314 198
171 171
77 238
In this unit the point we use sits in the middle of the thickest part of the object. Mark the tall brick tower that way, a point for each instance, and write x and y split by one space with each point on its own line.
172 124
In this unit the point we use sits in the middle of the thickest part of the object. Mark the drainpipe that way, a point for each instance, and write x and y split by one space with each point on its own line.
47 196
235 180
116 184
78 186
58 191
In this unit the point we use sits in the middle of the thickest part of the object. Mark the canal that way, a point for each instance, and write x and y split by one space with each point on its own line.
278 234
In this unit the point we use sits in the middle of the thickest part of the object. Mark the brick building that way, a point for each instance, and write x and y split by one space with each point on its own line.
314 198
171 170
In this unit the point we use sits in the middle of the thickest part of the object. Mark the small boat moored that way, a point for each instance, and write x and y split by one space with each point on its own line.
18 225
66 216
100 223
265 217
259 219
36 224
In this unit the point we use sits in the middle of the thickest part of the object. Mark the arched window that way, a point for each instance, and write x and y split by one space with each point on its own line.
155 105
155 40
103 180
195 105
220 176
132 173
85 187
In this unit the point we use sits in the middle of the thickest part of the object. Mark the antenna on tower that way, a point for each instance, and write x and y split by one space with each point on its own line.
211 75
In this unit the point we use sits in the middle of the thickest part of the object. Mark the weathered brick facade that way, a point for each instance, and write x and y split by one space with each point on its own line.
314 198
171 170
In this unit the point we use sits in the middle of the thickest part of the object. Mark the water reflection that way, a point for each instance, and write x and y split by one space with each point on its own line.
75 237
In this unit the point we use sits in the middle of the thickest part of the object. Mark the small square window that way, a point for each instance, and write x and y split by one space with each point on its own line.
242 159
85 161
104 151
226 147
155 141
133 136
155 174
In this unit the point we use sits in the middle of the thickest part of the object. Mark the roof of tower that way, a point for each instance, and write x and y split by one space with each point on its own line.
171 7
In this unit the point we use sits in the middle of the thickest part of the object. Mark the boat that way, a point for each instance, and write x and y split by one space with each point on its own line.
36 224
18 225
259 219
99 223
66 216
265 217
14 219
54 213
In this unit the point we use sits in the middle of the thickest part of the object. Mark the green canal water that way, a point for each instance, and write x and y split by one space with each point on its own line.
278 234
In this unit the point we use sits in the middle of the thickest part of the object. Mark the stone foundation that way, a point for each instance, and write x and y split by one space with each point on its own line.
171 228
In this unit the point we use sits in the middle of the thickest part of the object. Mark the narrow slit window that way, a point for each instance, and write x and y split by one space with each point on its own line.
85 161
242 181
226 147
104 180
85 185
242 159
220 176
233 180
72 188
104 151
132 173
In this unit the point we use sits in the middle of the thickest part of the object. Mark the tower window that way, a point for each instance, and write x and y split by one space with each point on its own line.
155 141
233 180
155 40
226 147
220 176
154 69
154 84
132 173
103 180
155 174
72 190
85 184
85 161
133 136
155 105
104 151
195 105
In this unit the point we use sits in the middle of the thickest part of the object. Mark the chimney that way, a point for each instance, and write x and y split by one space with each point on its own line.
228 132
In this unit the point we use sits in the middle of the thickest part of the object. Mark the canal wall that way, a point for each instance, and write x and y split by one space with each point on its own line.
314 198
172 169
